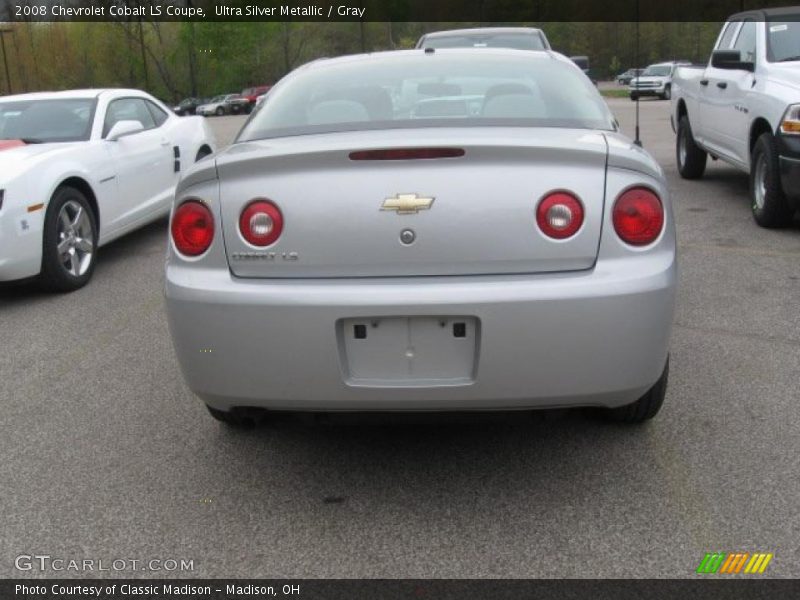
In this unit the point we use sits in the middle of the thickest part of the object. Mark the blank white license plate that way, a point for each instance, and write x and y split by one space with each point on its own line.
409 351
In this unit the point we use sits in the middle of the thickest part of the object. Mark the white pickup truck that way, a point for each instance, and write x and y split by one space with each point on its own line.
744 108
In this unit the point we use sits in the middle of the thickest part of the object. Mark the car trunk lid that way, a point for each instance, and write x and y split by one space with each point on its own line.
469 213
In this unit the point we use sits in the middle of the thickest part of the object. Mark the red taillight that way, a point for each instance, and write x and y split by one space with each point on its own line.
261 223
559 215
192 228
638 216
407 154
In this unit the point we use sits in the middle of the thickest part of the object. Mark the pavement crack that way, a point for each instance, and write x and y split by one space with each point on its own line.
739 250
739 334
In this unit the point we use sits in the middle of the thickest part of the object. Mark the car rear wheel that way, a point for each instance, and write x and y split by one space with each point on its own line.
634 97
769 204
69 241
220 111
202 153
647 406
690 157
233 418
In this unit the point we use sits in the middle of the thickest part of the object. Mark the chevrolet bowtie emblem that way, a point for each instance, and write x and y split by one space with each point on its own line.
407 204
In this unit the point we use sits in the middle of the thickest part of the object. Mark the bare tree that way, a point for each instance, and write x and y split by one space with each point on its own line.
291 56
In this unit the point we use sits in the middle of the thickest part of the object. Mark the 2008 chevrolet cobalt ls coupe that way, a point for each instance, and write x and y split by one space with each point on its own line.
425 230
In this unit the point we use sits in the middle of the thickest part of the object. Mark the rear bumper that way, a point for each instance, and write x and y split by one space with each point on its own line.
596 337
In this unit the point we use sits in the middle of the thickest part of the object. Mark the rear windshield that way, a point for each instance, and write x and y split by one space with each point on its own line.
462 88
40 121
516 41
783 39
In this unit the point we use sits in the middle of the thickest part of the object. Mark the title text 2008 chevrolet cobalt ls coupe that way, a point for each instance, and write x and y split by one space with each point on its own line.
425 230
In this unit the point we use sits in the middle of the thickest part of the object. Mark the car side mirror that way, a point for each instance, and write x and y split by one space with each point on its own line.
730 59
123 128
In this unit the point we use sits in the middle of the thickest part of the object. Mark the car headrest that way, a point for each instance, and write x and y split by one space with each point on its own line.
337 111
503 89
512 106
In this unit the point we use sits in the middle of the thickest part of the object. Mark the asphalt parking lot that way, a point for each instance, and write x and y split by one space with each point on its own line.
106 453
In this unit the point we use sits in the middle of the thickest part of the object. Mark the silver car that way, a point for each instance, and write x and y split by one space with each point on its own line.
425 230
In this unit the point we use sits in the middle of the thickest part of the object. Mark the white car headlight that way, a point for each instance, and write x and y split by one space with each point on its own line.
790 124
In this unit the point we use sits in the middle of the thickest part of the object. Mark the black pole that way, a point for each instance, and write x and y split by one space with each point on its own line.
637 140
3 33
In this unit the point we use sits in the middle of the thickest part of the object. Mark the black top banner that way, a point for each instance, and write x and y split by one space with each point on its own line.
481 11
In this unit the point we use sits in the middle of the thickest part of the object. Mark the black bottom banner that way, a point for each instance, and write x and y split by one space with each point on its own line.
400 589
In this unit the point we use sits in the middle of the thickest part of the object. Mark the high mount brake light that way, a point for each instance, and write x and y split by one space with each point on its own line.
407 154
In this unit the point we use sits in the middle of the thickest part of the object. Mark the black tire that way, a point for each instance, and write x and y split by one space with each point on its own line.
220 111
693 164
646 407
667 93
767 200
634 97
232 418
55 276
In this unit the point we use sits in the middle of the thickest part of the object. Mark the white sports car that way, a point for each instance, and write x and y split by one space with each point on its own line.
81 168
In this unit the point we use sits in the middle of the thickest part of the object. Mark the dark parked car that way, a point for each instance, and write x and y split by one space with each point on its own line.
625 78
188 106
583 64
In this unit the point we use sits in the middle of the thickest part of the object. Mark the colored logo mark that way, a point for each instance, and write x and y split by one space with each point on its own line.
734 562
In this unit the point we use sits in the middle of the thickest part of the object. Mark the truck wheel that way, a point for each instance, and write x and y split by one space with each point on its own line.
69 244
220 111
634 97
647 406
690 157
667 93
770 208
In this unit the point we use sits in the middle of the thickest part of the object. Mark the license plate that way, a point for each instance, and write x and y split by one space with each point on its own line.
409 351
